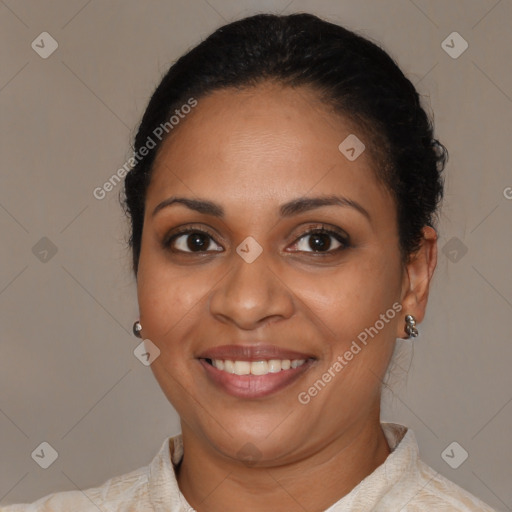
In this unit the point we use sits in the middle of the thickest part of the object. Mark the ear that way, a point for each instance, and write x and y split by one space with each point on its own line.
416 279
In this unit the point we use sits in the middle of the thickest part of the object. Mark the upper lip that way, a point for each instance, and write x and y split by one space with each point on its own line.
251 353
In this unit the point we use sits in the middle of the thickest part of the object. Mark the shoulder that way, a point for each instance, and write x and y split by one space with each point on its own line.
433 491
138 491
128 490
413 486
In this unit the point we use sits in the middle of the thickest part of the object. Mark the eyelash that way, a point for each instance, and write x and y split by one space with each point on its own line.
342 239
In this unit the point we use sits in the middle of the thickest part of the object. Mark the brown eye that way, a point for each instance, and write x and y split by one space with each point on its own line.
321 241
193 241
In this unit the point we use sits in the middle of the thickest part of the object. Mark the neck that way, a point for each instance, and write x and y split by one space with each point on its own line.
214 483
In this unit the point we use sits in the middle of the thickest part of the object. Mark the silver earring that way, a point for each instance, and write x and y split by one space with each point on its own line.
410 327
137 327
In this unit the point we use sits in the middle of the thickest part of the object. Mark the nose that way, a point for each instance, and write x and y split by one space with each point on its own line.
251 294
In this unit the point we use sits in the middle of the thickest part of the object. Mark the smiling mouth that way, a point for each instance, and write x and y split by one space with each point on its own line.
254 379
263 367
251 371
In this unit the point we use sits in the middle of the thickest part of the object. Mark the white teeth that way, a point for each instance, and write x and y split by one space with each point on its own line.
274 366
256 367
242 367
259 368
228 366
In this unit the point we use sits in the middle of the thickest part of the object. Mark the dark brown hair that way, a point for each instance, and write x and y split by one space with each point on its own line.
352 74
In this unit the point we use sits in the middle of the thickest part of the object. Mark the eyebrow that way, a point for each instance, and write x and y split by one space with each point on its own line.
201 206
288 209
309 203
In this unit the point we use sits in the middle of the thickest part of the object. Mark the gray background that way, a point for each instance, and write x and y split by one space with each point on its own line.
68 375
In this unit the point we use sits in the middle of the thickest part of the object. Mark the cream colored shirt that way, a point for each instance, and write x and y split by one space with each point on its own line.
402 483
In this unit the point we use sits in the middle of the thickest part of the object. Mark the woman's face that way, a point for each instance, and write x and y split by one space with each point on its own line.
249 266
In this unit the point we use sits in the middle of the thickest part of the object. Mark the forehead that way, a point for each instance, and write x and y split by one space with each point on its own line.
267 143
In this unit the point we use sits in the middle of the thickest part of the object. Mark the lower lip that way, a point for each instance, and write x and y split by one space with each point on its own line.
254 386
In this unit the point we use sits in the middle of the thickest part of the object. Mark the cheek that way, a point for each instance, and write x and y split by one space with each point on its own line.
168 295
351 297
355 310
170 302
165 302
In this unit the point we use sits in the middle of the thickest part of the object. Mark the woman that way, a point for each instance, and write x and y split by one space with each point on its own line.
282 200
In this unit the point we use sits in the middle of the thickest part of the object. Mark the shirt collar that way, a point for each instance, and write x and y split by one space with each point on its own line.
401 463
